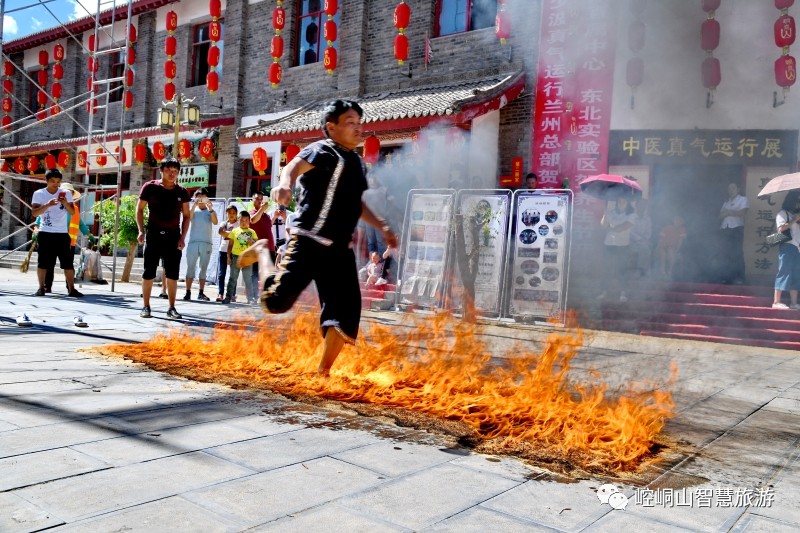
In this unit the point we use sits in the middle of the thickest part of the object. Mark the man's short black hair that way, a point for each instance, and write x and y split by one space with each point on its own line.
53 173
245 214
170 162
333 110
530 175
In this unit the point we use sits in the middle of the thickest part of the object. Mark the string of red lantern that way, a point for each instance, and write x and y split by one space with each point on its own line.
8 90
33 164
62 162
140 153
159 151
215 34
50 161
41 95
634 70
502 22
372 149
402 16
709 41
785 34
129 73
170 47
184 149
276 45
291 152
58 74
329 57
260 160
82 157
93 64
206 150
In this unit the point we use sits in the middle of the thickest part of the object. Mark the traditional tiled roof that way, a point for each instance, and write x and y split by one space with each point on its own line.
456 101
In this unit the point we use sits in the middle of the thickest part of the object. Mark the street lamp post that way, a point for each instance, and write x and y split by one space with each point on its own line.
185 112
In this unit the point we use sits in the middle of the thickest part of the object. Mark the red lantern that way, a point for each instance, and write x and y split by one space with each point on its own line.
41 114
402 16
33 164
101 159
159 151
63 159
170 45
6 122
206 149
331 7
19 165
7 105
131 56
634 72
93 64
784 4
278 19
50 161
58 71
276 47
329 31
785 31
712 73
130 76
260 160
56 90
636 36
8 68
215 8
8 86
785 71
184 149
5 167
44 58
400 48
55 109
172 21
711 5
41 97
214 31
170 69
41 77
169 91
91 106
212 81
502 26
275 74
372 149
132 35
124 154
90 83
91 42
82 158
291 152
213 56
140 153
58 53
709 35
329 59
128 100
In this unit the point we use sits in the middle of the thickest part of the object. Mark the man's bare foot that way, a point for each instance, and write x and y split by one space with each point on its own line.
254 254
324 372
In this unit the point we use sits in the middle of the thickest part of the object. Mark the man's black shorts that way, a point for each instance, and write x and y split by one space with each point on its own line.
52 246
162 246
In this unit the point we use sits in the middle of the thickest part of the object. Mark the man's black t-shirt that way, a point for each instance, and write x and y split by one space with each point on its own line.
333 217
165 205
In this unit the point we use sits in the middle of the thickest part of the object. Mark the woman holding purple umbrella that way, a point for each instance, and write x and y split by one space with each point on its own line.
788 276
617 222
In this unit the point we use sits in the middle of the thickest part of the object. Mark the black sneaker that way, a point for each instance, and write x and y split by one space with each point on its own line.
40 292
187 296
203 298
145 312
173 313
163 295
75 293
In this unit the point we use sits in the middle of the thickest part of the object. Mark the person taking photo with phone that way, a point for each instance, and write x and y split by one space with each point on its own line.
55 207
203 218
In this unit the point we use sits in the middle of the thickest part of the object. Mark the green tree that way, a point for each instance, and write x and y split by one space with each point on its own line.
126 233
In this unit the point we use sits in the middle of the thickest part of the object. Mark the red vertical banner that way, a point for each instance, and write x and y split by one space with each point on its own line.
572 109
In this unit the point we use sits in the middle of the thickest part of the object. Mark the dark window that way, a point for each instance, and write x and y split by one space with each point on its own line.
456 16
311 39
201 42
116 70
255 182
33 93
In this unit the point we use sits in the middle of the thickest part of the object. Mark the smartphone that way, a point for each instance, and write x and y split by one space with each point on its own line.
62 195
282 208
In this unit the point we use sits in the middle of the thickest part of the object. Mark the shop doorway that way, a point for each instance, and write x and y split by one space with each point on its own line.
696 193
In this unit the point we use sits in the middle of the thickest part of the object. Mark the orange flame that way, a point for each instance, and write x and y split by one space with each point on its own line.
523 403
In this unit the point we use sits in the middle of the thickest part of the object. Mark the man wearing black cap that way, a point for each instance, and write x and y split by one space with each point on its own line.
166 231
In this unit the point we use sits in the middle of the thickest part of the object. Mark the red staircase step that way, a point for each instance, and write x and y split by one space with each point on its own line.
764 334
787 320
784 345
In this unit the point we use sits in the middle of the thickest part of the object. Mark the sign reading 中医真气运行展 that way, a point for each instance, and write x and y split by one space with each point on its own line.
193 176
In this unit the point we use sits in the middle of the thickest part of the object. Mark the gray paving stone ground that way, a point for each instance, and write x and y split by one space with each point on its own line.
93 444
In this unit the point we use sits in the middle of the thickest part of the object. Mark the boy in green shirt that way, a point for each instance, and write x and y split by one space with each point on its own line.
239 239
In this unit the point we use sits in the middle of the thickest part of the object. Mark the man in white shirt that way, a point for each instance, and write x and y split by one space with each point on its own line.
55 207
732 236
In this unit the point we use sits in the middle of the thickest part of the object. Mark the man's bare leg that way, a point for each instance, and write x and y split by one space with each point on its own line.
70 276
147 288
41 273
189 282
172 290
258 252
333 345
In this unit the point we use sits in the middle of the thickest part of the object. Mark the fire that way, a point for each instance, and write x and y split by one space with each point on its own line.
522 403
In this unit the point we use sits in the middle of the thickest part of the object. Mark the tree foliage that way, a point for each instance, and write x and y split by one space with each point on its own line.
128 231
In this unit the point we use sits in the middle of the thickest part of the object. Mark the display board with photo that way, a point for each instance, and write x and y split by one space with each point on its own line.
425 250
491 209
540 254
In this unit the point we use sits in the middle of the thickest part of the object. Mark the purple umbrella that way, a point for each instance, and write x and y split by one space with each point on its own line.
610 187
